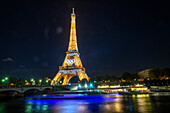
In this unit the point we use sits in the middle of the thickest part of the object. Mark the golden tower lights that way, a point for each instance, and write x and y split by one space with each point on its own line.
72 65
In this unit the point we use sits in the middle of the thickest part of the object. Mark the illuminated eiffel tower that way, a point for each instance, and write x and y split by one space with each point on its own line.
72 65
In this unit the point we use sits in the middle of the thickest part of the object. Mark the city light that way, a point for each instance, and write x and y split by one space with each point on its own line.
79 85
114 86
46 81
107 86
91 85
3 80
25 80
74 88
85 85
40 80
69 84
139 85
32 80
6 78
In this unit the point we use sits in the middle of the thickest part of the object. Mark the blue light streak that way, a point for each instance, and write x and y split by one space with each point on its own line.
70 96
68 101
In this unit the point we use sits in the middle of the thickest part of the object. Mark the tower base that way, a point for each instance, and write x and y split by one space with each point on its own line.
68 74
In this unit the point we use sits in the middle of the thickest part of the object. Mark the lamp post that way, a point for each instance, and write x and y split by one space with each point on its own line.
3 80
32 80
79 86
91 85
85 86
6 78
40 81
46 82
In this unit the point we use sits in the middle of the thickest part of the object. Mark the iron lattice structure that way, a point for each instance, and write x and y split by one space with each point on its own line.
72 65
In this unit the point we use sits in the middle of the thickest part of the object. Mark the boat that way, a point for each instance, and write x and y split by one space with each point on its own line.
134 92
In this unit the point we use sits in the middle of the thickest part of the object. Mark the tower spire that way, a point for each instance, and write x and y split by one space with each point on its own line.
73 37
73 10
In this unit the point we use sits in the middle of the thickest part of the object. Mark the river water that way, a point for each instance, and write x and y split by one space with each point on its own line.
118 104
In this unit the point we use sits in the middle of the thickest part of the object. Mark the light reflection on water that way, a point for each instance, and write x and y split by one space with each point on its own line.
123 104
142 103
65 105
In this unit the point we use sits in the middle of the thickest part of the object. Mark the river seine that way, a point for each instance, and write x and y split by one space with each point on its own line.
118 104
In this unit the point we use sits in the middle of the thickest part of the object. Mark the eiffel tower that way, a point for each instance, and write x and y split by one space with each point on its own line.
72 65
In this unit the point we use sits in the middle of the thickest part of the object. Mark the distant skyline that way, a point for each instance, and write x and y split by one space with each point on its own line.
113 36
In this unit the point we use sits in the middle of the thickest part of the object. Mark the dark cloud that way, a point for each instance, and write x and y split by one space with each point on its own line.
59 30
8 59
22 66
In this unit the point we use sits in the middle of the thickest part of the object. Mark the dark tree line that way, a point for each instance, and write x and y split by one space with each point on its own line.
21 81
125 76
105 77
159 73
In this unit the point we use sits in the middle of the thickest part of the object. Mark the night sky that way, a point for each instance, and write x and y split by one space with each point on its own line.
113 36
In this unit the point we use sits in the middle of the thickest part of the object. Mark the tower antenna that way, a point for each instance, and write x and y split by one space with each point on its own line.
73 10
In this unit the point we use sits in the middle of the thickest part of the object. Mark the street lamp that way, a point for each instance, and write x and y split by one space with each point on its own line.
46 81
91 85
6 78
79 86
85 85
40 81
3 80
32 80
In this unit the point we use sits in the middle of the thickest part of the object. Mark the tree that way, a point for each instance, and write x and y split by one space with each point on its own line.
97 78
114 78
12 80
106 77
21 81
166 71
127 76
156 73
135 76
